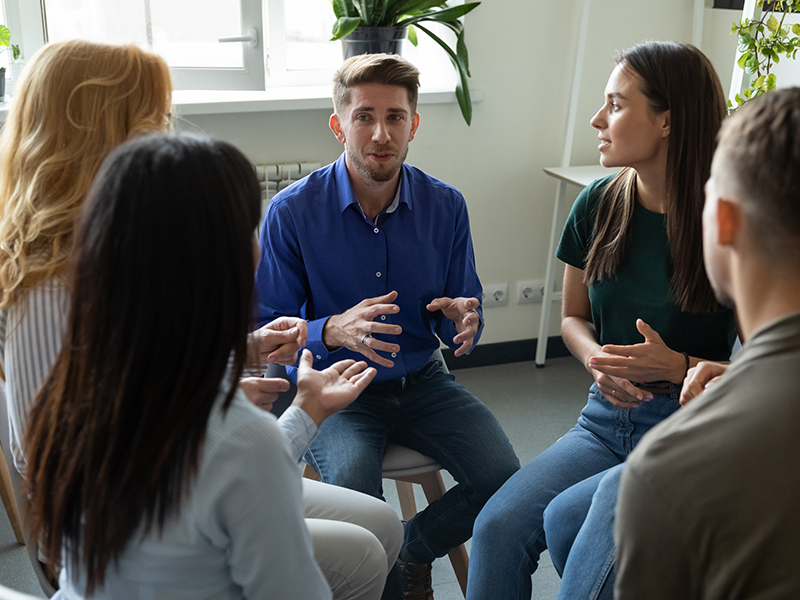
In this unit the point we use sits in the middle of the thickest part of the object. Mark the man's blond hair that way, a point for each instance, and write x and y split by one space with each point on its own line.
383 69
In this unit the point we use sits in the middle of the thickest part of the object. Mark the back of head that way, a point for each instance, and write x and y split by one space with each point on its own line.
758 162
75 102
163 289
382 69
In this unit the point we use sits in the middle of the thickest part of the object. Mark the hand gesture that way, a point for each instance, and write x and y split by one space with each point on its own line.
649 361
701 377
263 391
620 391
322 393
353 328
461 311
279 341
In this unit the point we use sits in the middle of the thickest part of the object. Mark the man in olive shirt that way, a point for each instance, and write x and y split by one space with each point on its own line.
709 504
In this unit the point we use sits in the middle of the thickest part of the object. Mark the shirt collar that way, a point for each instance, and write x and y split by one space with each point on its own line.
347 197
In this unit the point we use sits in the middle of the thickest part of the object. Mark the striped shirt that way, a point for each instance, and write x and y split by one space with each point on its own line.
32 330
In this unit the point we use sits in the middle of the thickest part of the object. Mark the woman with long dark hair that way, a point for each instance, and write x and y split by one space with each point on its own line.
149 472
638 312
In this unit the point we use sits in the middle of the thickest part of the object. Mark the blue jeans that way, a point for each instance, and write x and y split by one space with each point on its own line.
428 412
510 531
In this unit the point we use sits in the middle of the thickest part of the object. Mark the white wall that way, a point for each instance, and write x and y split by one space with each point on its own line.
522 55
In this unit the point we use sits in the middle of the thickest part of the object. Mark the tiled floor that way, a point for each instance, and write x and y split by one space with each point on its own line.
534 406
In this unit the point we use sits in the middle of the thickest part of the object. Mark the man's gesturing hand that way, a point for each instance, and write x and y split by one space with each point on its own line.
353 328
322 393
461 311
279 341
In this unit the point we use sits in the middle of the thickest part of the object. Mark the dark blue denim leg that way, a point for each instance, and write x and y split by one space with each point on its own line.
349 448
509 533
443 420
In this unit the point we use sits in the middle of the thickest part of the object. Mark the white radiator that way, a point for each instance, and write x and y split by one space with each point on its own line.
273 178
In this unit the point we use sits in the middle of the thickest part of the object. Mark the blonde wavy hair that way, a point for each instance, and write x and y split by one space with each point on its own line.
75 102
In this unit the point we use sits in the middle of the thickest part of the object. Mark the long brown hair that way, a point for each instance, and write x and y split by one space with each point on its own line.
678 78
76 101
162 300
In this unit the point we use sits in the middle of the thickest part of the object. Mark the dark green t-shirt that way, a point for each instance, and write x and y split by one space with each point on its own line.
641 289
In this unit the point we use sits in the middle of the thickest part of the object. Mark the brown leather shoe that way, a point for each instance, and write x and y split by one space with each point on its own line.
416 580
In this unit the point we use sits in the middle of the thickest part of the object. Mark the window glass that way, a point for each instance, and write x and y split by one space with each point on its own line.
309 24
186 38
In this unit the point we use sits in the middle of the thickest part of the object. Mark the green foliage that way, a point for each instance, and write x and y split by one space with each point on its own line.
762 44
351 14
5 40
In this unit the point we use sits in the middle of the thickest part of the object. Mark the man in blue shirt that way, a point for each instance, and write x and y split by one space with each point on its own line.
377 256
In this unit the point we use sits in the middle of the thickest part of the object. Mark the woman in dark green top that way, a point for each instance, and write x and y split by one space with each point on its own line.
638 311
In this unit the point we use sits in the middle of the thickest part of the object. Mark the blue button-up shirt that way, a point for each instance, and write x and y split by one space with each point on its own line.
321 256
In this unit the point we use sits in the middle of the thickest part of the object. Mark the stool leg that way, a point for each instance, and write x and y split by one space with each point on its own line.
405 493
310 473
433 486
9 500
459 559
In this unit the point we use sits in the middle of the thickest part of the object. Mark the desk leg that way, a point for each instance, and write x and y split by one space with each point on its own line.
547 299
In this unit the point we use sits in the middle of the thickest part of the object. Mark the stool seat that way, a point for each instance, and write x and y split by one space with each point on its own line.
400 461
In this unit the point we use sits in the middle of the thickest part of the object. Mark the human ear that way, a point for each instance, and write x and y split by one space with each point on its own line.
336 128
665 126
414 125
729 221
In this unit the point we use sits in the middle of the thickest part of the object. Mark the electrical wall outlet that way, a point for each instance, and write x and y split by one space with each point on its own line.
530 292
495 295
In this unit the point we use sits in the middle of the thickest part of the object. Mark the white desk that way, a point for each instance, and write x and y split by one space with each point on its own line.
580 176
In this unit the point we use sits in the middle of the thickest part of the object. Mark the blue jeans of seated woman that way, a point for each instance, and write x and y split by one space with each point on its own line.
509 533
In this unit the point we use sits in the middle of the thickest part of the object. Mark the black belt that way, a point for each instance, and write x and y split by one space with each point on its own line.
396 386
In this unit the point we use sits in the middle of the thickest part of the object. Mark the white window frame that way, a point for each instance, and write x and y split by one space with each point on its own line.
27 21
280 89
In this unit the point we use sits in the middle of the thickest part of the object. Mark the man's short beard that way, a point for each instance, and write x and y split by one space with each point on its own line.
373 174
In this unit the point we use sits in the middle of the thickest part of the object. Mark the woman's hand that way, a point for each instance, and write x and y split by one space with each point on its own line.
278 341
263 391
322 393
641 363
619 391
700 378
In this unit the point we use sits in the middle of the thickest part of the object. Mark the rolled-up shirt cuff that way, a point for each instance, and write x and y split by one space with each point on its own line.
299 429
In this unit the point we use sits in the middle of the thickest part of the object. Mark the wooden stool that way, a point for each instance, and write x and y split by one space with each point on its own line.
406 467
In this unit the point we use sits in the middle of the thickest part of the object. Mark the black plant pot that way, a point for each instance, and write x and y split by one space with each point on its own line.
373 40
2 84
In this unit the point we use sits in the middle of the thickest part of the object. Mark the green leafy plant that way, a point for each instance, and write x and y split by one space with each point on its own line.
5 40
762 43
351 14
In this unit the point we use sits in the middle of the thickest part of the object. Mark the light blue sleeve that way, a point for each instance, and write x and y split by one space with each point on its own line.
254 510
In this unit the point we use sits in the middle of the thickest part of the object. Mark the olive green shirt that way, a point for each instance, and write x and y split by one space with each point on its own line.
709 504
641 287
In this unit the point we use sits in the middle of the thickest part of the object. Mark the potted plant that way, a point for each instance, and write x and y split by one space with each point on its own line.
762 43
368 26
5 40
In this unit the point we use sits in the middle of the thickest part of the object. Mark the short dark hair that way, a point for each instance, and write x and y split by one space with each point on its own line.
161 308
760 150
383 69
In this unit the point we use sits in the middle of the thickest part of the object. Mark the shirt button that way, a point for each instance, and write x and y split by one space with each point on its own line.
383 317
319 357
376 230
378 274
394 354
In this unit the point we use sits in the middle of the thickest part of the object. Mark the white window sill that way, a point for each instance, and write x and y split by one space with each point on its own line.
218 102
